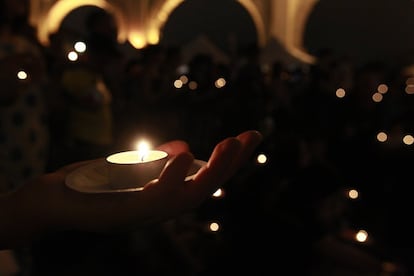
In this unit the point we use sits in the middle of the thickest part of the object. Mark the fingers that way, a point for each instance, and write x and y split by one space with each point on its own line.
250 140
176 169
227 157
174 147
168 195
222 159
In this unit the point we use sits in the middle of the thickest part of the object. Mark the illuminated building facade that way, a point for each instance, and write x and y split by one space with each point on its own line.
141 22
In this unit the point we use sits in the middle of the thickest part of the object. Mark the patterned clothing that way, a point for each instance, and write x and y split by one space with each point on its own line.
24 135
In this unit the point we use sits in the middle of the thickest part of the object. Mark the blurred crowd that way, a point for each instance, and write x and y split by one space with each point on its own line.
321 124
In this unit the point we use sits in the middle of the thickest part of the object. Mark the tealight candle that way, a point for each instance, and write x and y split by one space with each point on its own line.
135 168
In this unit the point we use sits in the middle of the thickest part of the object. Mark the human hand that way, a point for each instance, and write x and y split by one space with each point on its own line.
47 204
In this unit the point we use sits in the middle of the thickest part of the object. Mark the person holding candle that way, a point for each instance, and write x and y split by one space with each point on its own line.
46 205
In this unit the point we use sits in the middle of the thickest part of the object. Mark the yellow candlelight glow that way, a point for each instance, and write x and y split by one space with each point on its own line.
21 75
143 150
361 236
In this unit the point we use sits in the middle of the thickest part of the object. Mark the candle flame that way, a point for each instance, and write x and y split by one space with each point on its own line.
143 150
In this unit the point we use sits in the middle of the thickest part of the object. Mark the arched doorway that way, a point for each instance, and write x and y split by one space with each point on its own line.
62 8
211 19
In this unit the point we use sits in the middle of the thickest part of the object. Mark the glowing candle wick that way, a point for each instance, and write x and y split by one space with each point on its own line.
143 150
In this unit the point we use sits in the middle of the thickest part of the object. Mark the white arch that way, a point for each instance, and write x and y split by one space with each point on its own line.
302 12
257 19
62 8
291 18
158 21
293 25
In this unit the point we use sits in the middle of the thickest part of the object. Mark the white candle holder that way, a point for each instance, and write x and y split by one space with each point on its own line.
131 169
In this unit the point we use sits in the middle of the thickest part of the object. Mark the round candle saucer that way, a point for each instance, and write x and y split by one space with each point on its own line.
93 178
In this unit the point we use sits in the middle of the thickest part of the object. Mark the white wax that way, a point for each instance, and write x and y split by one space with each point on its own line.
134 157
